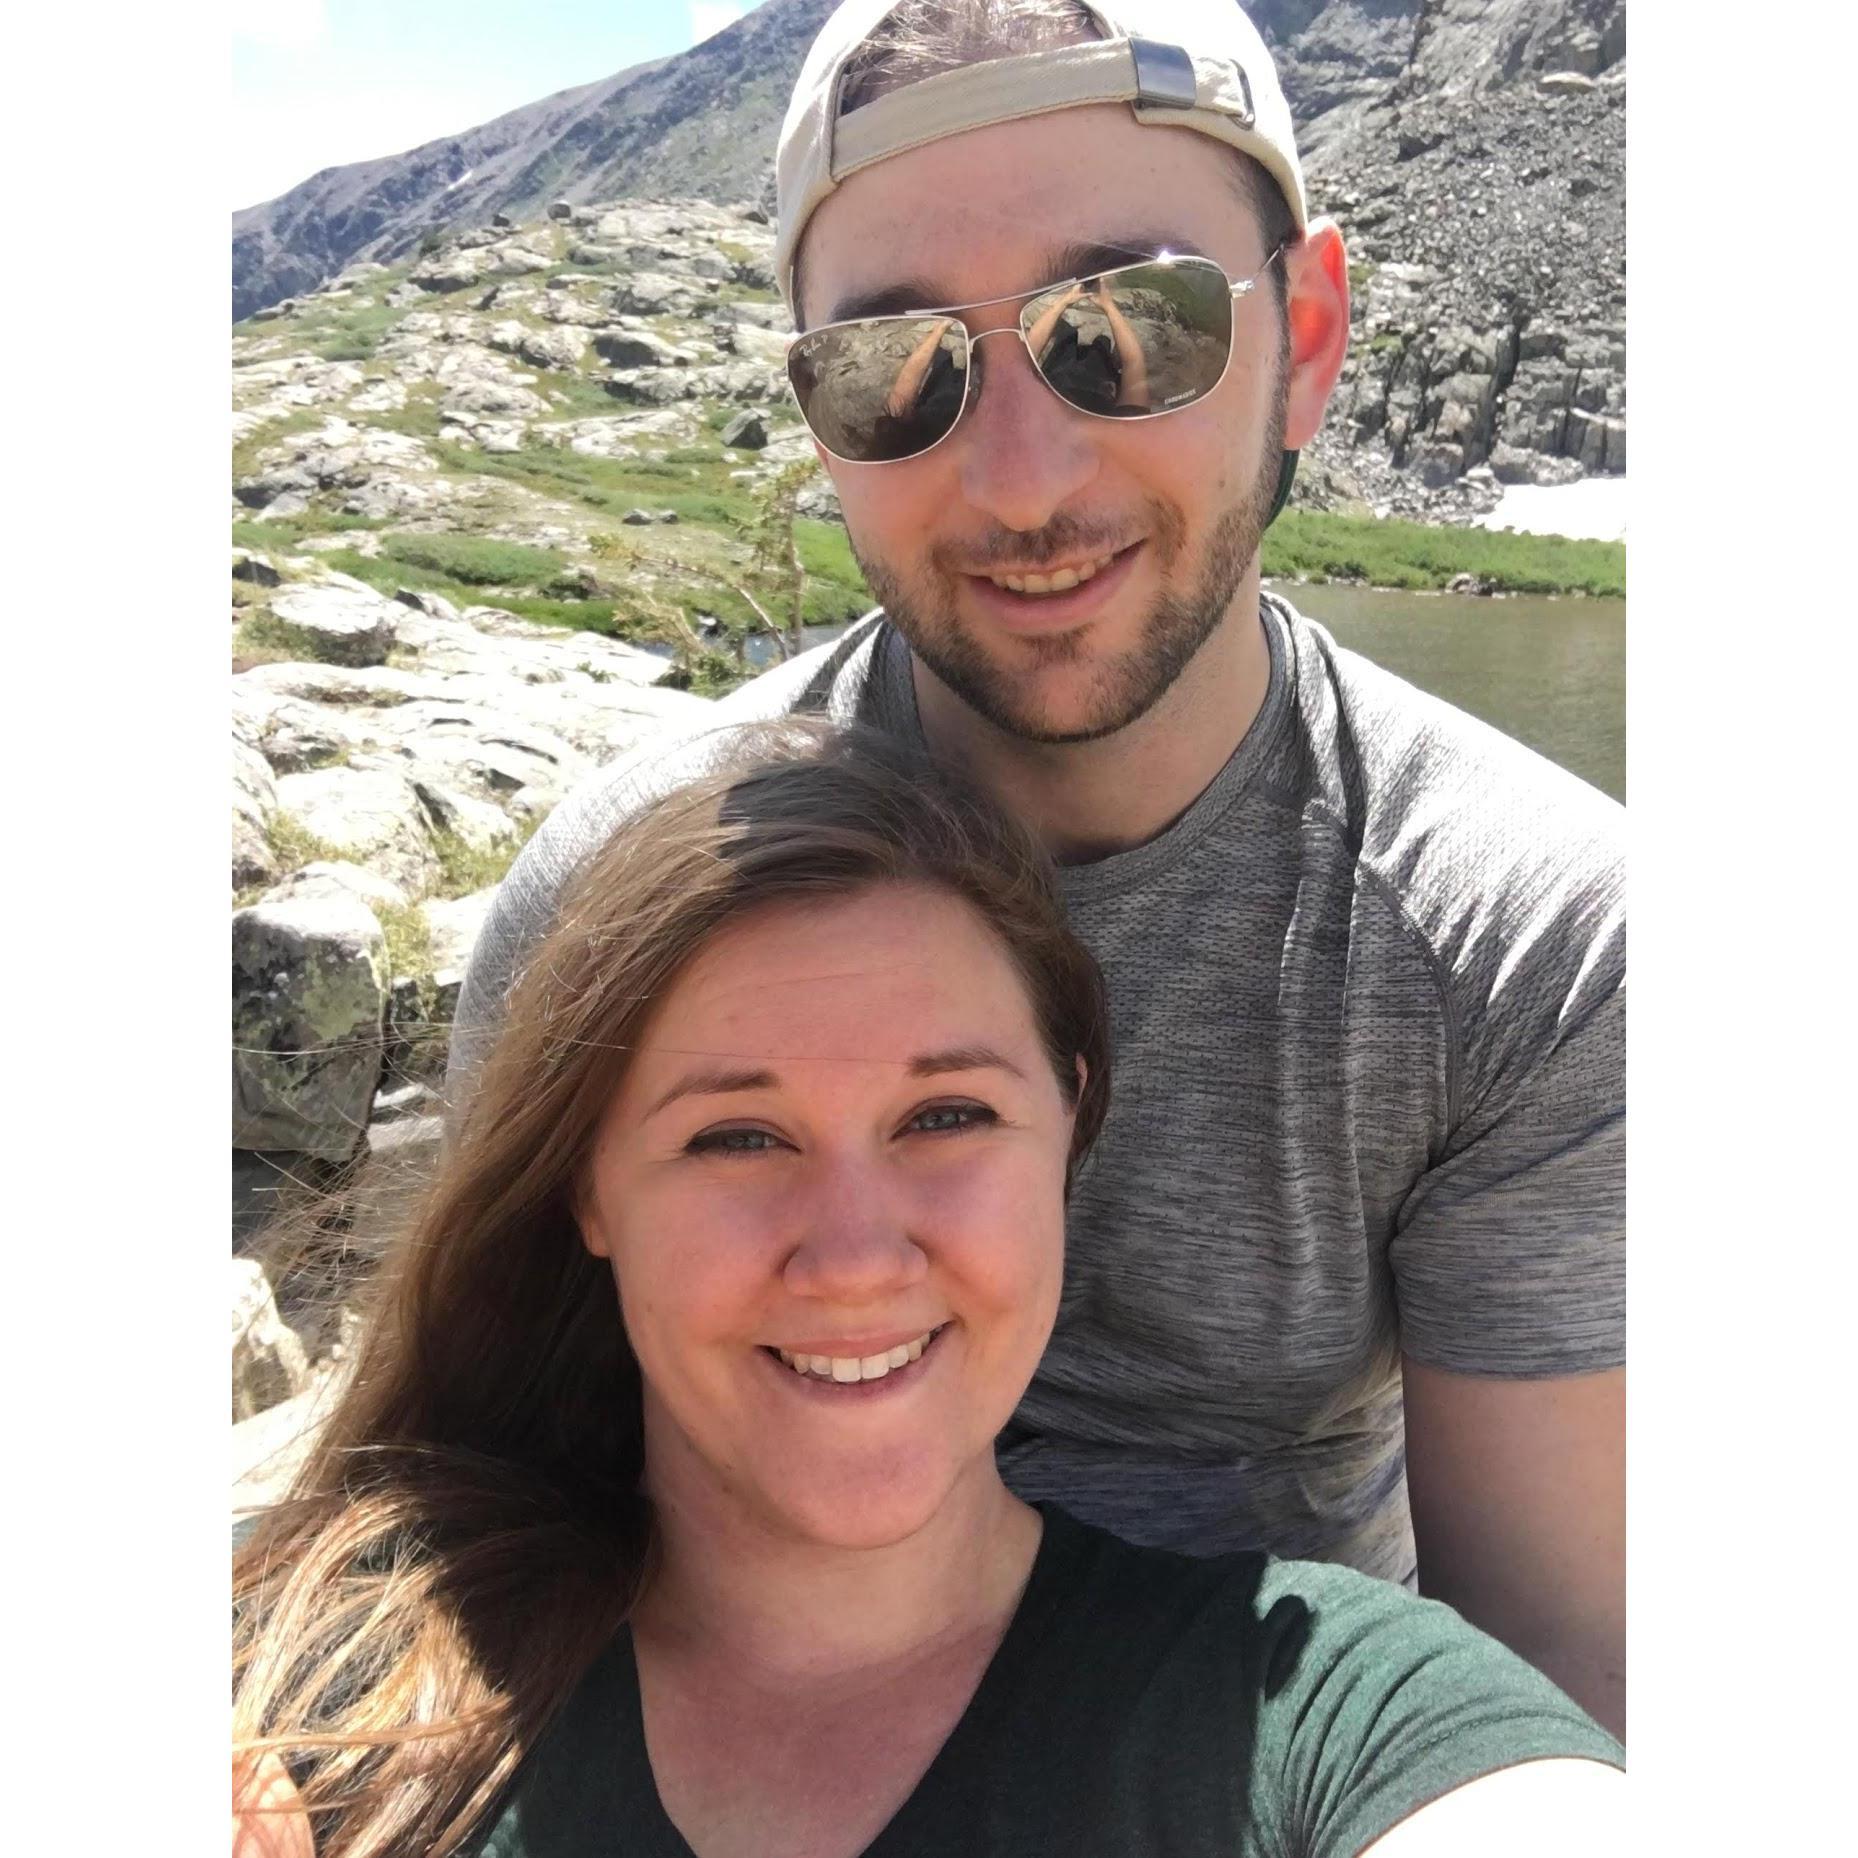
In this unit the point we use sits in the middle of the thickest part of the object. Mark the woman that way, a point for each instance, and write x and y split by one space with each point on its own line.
799 1083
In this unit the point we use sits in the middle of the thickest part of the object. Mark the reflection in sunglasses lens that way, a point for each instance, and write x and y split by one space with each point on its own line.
881 390
1143 340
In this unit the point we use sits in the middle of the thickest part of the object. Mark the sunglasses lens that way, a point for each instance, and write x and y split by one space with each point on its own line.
881 390
1144 339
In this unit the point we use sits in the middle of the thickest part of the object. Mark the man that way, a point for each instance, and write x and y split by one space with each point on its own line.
1353 1235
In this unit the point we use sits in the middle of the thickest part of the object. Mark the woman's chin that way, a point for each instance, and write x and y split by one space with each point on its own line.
862 1508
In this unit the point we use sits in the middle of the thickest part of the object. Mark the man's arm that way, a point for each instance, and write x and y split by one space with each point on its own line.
1518 1490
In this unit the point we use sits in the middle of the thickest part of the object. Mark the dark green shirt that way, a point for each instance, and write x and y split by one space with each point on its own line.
1142 1704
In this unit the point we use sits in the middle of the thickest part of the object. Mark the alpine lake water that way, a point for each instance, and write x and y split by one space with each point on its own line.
1548 670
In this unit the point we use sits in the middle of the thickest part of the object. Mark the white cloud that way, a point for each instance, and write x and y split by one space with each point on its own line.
709 17
286 25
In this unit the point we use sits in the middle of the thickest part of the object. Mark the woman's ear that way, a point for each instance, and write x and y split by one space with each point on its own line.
1083 1079
585 1210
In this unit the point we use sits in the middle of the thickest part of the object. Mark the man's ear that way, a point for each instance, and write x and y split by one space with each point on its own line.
1316 275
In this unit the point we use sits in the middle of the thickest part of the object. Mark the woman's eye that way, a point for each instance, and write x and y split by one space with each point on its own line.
732 1142
945 1118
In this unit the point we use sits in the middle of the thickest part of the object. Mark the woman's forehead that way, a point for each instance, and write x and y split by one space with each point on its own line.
875 977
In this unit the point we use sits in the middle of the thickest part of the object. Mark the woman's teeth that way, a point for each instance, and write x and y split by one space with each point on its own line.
1061 582
859 1367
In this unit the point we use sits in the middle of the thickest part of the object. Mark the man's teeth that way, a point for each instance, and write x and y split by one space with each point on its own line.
857 1367
1061 582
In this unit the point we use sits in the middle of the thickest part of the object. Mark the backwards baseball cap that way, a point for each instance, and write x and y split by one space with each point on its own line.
1187 64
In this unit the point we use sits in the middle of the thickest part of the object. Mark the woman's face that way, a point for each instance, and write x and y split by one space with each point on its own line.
831 1189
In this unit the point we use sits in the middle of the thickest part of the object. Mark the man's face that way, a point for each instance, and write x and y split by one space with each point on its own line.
1168 511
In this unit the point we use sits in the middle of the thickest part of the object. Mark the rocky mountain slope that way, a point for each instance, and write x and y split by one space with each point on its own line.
1473 151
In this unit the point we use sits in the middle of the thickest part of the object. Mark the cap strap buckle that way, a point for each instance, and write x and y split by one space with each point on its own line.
1164 75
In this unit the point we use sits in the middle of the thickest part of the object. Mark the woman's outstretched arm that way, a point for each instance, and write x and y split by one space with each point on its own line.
267 1821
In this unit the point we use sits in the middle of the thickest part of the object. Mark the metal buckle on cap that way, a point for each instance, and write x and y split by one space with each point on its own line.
1164 75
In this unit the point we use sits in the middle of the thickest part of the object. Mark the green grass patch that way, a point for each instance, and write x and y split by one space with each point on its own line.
286 533
262 638
474 560
1319 546
746 293
247 453
409 950
603 616
295 845
465 868
612 483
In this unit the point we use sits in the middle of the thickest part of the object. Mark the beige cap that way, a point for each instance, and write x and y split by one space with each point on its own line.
1190 64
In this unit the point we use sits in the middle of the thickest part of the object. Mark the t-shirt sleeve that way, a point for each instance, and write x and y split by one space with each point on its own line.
1509 1254
1375 1702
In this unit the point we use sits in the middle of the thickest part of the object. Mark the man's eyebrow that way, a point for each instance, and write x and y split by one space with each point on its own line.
1081 258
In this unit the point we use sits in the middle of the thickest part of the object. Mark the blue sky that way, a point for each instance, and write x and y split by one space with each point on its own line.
320 82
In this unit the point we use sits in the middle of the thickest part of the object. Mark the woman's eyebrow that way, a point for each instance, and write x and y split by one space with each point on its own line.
719 1081
963 1058
714 1083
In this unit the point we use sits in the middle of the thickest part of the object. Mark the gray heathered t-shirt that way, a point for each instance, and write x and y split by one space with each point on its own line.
1367 1003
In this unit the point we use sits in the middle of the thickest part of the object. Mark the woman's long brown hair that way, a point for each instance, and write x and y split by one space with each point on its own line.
468 1531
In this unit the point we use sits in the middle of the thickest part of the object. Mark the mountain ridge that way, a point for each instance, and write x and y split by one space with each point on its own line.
1473 152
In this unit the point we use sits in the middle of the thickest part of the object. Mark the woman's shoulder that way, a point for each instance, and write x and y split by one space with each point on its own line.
1313 1700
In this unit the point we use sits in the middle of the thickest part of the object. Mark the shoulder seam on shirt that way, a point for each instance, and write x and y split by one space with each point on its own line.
1448 1012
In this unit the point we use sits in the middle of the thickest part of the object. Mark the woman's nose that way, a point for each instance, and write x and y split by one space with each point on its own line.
853 1244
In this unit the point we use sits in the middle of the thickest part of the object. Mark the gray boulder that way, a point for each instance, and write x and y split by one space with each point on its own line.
492 396
652 386
517 261
639 348
749 431
254 796
341 625
371 816
453 271
336 878
560 348
652 293
254 569
309 995
269 1362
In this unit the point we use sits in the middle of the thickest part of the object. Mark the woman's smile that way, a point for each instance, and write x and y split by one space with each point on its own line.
843 1373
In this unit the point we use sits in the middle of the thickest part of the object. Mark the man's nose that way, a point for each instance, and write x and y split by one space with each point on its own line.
1024 453
852 1241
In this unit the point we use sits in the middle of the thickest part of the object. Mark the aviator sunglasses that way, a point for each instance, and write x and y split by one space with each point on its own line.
1135 342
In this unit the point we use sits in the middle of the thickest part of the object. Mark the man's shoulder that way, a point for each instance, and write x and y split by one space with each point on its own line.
834 679
828 679
1468 831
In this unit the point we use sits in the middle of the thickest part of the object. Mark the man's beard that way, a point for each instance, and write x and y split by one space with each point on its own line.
1126 687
